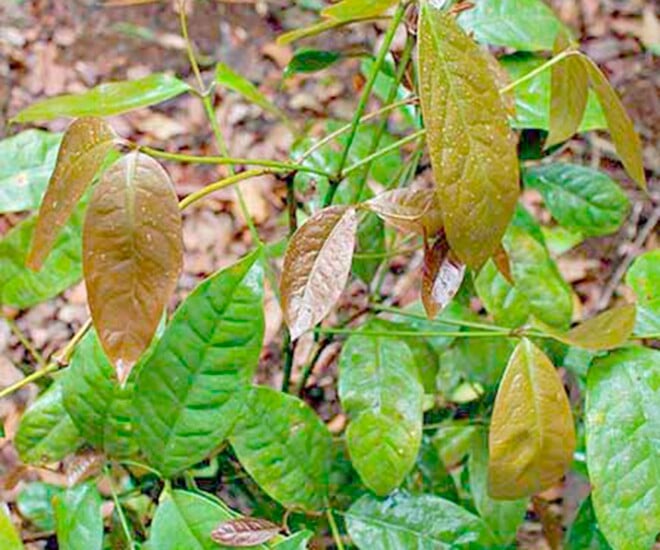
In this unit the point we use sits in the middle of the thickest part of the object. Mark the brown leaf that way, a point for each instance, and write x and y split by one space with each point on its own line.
316 267
132 256
442 276
502 80
416 210
85 145
471 145
243 532
501 261
83 465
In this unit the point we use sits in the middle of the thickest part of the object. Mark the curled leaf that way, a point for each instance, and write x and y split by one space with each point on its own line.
316 267
416 210
243 532
442 276
502 263
132 255
473 153
532 436
85 145
626 141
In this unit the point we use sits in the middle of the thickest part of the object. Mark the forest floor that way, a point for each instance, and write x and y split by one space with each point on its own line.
50 47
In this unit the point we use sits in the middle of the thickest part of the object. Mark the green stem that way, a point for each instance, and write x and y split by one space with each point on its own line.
364 98
382 152
25 342
334 529
127 462
231 161
120 511
289 348
538 70
183 21
391 96
418 333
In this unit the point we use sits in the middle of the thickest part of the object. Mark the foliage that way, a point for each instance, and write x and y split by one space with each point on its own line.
453 421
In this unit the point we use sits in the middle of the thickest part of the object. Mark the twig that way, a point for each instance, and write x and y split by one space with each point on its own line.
25 342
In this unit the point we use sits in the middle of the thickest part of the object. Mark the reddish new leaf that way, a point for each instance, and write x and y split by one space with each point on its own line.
442 277
83 465
242 532
501 261
132 255
316 267
416 210
85 145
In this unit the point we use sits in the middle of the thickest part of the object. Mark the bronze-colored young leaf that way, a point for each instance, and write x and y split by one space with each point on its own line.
350 10
83 465
532 436
442 276
501 261
608 330
84 147
132 256
502 80
242 532
626 141
416 210
316 267
569 91
472 150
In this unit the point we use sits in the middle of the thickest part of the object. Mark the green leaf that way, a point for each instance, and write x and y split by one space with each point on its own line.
350 10
370 241
419 521
560 240
584 533
472 148
643 276
185 520
108 99
132 256
26 163
34 503
9 537
20 286
228 78
190 391
46 432
381 391
100 408
527 25
538 279
626 141
85 145
622 426
508 306
503 517
532 435
579 198
297 541
285 447
569 92
307 60
533 97
383 86
431 475
454 440
78 518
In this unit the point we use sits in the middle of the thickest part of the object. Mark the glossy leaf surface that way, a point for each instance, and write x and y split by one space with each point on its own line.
349 10
526 25
100 408
454 440
46 432
608 330
569 92
472 148
190 391
316 267
626 141
533 96
584 533
502 516
185 520
416 210
132 256
579 198
381 391
9 537
289 454
508 306
242 532
532 436
415 521
79 525
538 279
19 285
34 504
228 78
643 276
26 163
306 60
108 99
442 276
622 427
